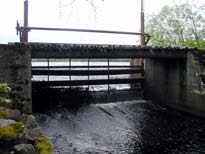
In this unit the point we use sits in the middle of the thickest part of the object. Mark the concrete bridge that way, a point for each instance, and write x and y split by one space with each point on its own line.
173 77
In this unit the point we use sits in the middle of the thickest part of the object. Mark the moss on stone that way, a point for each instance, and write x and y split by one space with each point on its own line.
7 133
18 127
3 113
4 88
24 117
43 145
11 132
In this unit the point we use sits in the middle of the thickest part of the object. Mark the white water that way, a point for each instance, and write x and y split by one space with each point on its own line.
84 63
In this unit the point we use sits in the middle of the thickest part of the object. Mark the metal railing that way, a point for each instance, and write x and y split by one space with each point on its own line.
22 30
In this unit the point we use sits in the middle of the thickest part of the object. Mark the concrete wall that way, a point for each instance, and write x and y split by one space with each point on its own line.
15 69
172 82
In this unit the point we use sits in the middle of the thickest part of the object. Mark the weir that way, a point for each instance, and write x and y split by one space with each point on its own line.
172 76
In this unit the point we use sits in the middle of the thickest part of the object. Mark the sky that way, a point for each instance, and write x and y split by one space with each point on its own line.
119 15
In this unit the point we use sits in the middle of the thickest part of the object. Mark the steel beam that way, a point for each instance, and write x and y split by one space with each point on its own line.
86 72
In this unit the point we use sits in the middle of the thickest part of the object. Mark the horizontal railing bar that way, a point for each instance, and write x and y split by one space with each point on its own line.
86 72
80 30
100 66
86 82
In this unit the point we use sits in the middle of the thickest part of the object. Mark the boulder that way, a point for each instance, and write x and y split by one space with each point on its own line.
14 115
25 149
31 122
6 122
32 134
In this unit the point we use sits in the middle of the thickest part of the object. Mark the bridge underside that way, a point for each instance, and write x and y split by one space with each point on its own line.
97 52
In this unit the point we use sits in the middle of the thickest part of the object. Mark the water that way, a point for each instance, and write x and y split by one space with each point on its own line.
122 127
91 77
129 127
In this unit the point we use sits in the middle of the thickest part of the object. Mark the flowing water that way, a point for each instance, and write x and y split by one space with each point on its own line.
129 127
122 127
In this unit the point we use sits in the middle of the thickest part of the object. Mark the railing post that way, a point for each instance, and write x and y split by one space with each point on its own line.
24 34
142 23
88 74
108 66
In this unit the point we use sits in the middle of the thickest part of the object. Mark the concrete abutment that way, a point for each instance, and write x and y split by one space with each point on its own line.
176 83
15 70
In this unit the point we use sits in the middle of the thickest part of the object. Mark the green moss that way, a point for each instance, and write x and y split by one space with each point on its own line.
198 92
43 145
11 132
7 133
3 113
4 88
18 127
24 117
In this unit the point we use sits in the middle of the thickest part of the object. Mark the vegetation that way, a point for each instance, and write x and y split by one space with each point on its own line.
15 132
178 25
5 90
43 145
198 92
11 132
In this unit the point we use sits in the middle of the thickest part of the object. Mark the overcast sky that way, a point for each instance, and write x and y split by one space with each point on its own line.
123 15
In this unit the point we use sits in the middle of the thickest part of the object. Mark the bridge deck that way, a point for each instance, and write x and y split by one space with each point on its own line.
103 51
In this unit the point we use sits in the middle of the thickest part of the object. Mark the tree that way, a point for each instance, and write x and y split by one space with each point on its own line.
179 25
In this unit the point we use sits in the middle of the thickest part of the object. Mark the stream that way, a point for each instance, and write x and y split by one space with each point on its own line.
127 127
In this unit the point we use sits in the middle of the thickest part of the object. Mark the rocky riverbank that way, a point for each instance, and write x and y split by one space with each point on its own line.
19 132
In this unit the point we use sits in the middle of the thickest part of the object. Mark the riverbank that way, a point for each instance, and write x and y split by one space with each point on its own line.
19 132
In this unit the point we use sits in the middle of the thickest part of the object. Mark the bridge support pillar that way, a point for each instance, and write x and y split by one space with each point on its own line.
15 70
173 82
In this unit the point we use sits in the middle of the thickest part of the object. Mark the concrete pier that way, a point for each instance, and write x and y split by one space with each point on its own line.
15 70
177 84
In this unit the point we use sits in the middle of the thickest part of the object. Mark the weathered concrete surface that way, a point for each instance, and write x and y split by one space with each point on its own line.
172 75
173 83
43 50
15 69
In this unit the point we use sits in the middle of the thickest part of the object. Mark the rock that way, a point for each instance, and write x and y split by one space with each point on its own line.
31 122
14 115
32 134
6 122
25 149
3 112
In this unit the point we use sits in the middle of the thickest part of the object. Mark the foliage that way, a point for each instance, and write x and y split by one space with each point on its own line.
18 127
178 25
7 133
11 132
4 88
43 145
198 92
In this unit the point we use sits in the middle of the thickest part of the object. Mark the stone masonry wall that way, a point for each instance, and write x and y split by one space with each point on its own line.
176 83
195 97
15 69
